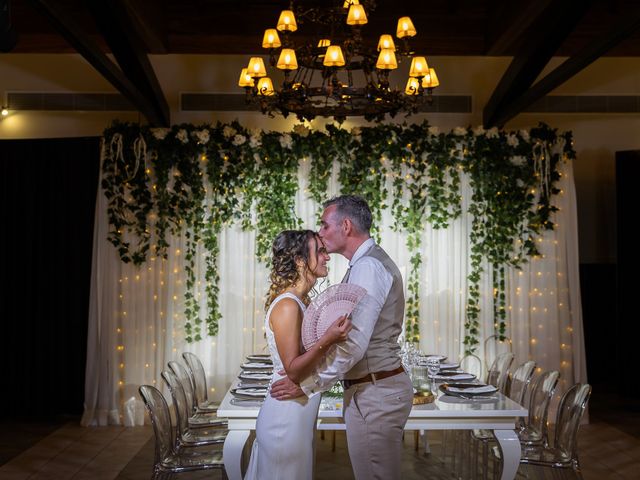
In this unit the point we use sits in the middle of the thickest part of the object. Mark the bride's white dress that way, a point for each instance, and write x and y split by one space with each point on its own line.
285 429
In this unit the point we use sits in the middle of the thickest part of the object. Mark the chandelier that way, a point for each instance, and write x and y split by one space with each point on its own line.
338 74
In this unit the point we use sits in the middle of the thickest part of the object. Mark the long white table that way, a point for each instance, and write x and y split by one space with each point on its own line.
446 413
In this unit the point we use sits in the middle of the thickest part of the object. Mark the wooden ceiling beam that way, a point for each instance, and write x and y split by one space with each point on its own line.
125 41
85 46
508 22
151 23
543 38
627 26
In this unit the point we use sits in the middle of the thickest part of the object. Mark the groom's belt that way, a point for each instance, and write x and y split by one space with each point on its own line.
372 377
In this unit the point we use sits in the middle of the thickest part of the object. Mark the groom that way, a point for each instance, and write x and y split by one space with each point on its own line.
378 393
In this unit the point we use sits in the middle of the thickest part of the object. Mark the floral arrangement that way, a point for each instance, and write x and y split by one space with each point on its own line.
195 179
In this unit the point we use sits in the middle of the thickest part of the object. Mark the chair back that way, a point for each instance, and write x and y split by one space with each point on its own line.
499 371
198 375
570 411
520 380
493 347
187 385
161 420
179 402
471 363
539 400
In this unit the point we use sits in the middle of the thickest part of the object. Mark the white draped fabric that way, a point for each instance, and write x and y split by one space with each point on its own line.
136 313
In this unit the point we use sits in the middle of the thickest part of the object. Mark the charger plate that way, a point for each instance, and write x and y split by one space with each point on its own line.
468 389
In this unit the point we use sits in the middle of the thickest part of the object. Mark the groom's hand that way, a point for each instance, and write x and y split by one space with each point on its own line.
285 389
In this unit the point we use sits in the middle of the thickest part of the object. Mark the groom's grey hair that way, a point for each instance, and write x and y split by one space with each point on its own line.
354 208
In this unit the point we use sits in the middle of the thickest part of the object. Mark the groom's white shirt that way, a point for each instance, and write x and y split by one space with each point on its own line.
369 273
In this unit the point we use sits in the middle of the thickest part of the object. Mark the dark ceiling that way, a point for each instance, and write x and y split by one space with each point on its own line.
530 31
445 27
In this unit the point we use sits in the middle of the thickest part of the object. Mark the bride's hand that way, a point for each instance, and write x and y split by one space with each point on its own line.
338 330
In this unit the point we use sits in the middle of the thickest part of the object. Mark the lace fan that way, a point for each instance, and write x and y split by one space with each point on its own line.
335 301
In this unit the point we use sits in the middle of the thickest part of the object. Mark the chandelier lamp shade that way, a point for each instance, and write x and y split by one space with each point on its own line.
337 72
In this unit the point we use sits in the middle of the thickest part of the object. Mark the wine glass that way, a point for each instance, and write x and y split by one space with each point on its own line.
433 367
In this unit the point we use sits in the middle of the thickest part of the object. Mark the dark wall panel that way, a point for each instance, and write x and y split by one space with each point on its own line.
47 201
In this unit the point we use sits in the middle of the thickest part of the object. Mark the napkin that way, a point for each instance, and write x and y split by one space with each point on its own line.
253 392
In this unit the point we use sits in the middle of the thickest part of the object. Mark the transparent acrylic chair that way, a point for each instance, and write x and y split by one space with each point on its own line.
562 454
199 378
519 383
471 363
498 373
213 434
196 418
534 430
493 347
166 459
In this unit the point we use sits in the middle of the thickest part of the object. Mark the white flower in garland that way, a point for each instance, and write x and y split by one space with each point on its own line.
286 141
202 136
518 160
257 158
160 133
479 130
255 140
239 140
493 132
525 135
182 135
301 130
433 131
512 140
356 133
228 131
460 131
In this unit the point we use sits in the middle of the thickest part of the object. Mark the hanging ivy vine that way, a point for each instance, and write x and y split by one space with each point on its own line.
193 180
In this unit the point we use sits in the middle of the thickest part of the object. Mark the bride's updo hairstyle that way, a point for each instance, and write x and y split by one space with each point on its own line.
289 246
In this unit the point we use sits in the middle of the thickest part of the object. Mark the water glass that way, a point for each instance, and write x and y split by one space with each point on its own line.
433 367
419 378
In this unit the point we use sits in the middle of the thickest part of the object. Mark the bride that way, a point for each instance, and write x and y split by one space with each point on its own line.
285 428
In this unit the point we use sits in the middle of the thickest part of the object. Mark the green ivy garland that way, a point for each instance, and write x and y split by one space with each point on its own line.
195 179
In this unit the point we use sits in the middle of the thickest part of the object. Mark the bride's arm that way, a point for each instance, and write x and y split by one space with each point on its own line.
286 321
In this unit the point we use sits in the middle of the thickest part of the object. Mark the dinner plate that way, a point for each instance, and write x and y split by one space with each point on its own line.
468 389
260 358
249 392
449 366
440 358
255 376
455 376
479 399
256 366
252 385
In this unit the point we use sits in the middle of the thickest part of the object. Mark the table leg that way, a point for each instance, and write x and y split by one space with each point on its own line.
232 453
511 451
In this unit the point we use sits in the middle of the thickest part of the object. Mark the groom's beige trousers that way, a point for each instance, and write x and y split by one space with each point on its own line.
375 415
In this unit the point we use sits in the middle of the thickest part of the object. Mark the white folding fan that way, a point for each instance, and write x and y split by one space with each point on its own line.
326 308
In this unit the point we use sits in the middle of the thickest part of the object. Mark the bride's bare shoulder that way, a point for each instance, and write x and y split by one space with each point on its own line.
286 307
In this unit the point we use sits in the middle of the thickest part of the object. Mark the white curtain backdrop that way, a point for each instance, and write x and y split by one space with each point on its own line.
135 318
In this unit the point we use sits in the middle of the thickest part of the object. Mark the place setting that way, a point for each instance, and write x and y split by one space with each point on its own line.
476 392
249 394
255 366
260 358
454 376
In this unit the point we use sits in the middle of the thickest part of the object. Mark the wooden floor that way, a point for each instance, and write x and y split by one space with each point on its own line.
74 452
